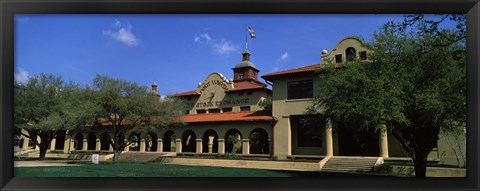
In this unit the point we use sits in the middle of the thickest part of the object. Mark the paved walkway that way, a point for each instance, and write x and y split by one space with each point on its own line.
43 163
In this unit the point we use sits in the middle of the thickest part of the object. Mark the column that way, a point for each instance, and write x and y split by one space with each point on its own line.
66 146
110 148
72 144
159 145
142 145
38 141
199 149
127 148
85 145
97 144
221 146
245 146
328 138
383 141
210 144
25 143
178 145
52 144
172 146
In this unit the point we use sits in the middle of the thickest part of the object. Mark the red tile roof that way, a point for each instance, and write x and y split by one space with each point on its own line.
247 85
189 93
228 117
310 68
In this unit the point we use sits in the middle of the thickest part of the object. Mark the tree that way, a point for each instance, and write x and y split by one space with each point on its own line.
121 107
44 107
413 86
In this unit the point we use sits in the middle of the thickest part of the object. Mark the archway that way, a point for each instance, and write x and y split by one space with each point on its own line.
259 143
210 136
91 141
105 141
188 141
60 140
78 141
151 142
169 141
134 140
233 143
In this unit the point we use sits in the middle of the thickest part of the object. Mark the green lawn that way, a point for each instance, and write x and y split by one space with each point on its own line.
151 170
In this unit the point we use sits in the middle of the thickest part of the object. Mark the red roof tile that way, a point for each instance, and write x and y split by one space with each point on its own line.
309 68
189 93
228 117
247 85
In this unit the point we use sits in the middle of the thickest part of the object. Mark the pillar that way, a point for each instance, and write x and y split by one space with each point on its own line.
383 142
97 144
178 145
25 143
72 144
159 145
210 144
127 148
52 144
110 148
172 146
328 139
142 145
221 146
38 141
85 145
199 149
66 146
245 146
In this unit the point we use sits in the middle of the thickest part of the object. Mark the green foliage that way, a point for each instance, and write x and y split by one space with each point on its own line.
414 83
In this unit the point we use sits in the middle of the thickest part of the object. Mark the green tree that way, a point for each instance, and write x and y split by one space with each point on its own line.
44 107
413 86
122 107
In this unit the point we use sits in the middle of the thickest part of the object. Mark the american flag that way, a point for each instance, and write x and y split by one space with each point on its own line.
250 30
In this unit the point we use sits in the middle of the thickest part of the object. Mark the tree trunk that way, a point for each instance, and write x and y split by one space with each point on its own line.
420 167
43 152
116 155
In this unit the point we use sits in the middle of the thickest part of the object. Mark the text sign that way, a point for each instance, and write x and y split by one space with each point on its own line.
95 158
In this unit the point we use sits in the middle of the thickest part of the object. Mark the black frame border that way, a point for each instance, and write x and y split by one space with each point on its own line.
8 8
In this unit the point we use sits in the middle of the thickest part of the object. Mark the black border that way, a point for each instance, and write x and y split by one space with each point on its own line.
10 7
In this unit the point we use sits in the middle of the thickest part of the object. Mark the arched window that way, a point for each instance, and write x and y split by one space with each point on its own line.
351 53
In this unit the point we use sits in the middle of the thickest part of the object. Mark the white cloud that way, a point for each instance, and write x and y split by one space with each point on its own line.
284 56
123 34
21 75
224 47
202 38
275 69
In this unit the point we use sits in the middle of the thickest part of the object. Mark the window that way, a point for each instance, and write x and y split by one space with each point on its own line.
214 111
309 132
363 55
338 58
240 76
240 93
249 93
200 111
245 108
254 75
300 89
227 109
351 53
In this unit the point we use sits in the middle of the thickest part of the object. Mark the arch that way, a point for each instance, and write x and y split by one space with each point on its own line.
210 136
259 143
350 53
169 141
188 141
91 141
151 142
79 141
105 141
134 140
233 143
60 140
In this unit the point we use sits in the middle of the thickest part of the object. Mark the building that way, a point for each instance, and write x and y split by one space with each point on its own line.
233 116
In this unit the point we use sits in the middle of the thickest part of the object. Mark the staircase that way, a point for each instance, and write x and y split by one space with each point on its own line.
350 164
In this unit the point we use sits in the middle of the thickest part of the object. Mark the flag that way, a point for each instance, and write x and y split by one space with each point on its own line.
250 30
252 35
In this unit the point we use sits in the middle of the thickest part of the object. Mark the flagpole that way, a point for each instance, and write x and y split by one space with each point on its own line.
246 37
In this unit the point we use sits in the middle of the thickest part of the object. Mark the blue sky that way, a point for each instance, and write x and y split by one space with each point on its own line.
176 51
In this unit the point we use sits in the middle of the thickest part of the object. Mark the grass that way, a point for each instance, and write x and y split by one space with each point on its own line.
151 170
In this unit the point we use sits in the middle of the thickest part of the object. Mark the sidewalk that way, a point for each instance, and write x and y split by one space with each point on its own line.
43 163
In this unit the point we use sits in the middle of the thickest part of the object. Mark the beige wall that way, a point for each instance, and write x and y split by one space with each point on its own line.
341 47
